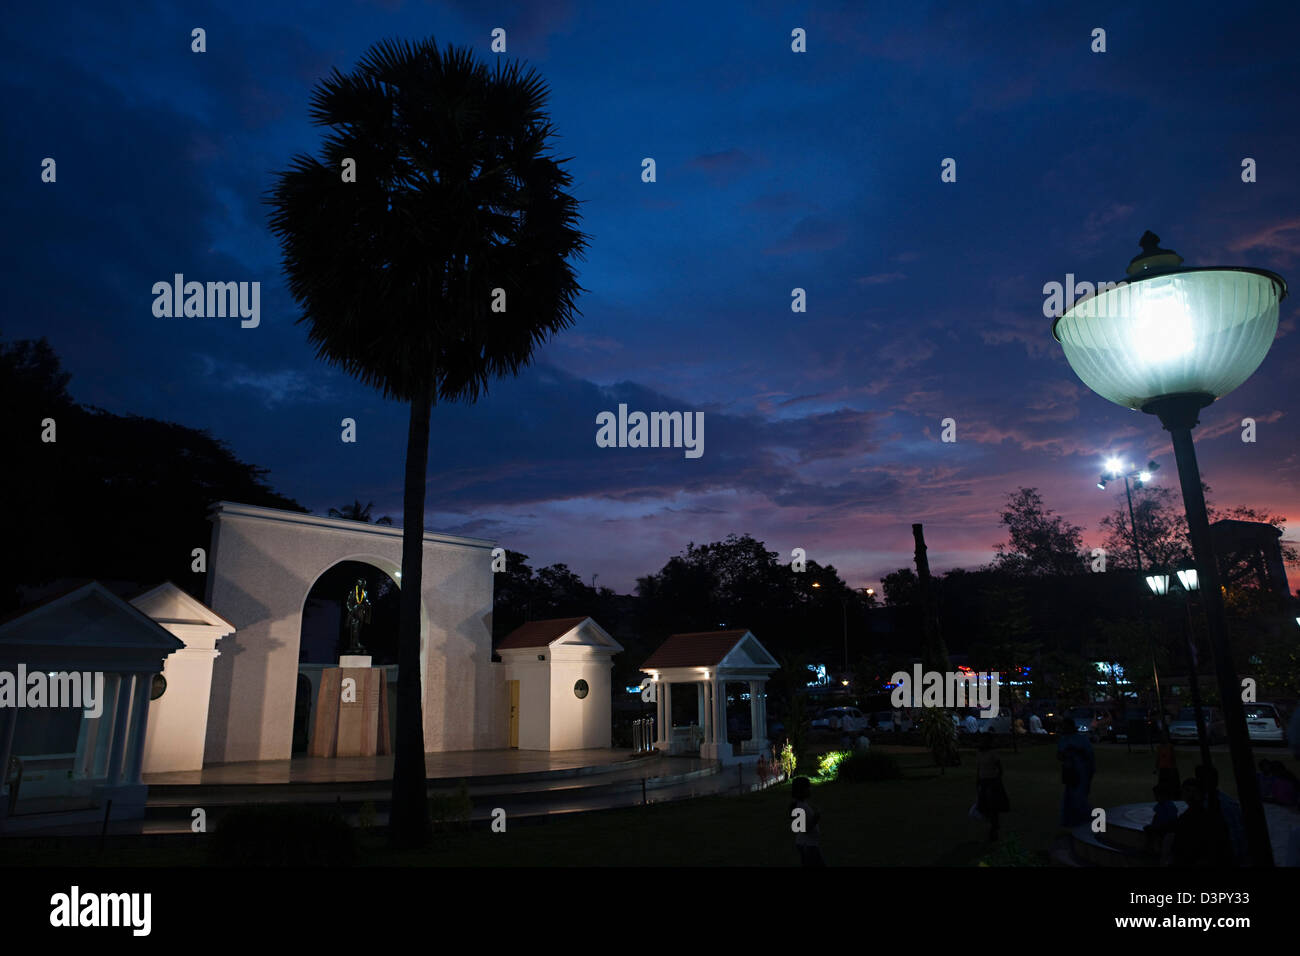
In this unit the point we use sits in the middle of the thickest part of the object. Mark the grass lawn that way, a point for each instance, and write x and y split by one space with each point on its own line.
919 820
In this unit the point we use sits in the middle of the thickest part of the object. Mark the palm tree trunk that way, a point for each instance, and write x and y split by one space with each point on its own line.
409 817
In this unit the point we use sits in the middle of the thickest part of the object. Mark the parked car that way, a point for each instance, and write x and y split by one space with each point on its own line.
1001 724
848 720
1093 721
1137 724
1183 727
882 722
1264 723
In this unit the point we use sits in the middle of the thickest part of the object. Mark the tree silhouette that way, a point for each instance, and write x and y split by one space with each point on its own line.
440 265
358 512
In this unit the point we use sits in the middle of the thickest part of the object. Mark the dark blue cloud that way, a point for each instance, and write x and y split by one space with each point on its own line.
776 170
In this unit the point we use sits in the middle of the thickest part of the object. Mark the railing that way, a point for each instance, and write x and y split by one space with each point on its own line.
643 735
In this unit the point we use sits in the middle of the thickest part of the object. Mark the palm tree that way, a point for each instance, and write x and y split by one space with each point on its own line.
354 512
400 273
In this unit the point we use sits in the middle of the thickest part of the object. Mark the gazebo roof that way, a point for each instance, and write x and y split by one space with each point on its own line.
737 648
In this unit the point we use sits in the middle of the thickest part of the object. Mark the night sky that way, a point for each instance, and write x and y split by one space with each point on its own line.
775 170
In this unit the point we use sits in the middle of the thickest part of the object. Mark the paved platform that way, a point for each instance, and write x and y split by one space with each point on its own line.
453 766
1124 843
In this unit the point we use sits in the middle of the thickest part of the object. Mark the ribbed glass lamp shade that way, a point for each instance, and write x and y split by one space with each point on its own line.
1201 331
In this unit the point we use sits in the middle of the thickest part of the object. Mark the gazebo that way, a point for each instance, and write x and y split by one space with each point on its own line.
71 760
710 660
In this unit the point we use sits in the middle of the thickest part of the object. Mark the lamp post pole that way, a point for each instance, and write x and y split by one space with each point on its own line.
1142 478
1178 414
1201 735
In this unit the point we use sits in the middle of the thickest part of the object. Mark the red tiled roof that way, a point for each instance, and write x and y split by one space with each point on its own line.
699 649
539 633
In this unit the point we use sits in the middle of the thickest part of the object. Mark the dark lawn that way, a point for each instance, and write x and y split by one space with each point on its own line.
919 820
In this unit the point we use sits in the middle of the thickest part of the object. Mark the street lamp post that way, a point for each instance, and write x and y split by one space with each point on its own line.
1191 583
844 612
1159 585
1115 470
1170 340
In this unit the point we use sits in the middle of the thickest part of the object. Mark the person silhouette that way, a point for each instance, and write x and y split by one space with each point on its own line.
807 840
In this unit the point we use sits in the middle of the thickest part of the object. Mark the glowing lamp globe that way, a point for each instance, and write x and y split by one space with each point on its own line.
1171 331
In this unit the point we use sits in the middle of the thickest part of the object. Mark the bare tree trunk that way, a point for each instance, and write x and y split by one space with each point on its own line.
409 817
935 652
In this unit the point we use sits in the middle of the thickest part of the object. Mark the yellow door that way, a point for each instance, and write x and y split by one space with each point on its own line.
514 712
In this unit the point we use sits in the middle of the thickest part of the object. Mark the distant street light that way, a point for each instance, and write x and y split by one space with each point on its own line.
1115 469
844 613
1170 340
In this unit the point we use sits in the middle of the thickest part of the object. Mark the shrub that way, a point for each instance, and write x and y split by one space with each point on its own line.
283 835
450 811
940 735
828 766
865 765
366 815
788 760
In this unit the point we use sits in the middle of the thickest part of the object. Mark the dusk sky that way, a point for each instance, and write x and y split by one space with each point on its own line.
775 170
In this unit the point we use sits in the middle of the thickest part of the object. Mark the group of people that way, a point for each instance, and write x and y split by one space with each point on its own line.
1209 833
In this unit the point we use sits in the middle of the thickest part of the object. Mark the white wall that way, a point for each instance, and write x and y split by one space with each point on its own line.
262 564
586 723
534 696
176 732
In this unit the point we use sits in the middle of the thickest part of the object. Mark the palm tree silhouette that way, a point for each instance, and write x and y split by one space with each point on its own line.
357 512
440 265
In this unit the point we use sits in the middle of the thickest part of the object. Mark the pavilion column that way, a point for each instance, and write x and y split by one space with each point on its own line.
668 716
118 749
659 714
139 720
757 728
8 723
706 695
720 710
104 727
701 709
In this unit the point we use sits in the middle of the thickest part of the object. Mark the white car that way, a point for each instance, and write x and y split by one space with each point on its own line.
848 720
1264 723
883 722
1001 724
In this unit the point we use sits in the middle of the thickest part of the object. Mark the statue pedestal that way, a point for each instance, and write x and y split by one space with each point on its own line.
351 712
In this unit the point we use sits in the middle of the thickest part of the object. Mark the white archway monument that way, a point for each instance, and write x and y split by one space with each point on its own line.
710 660
261 566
